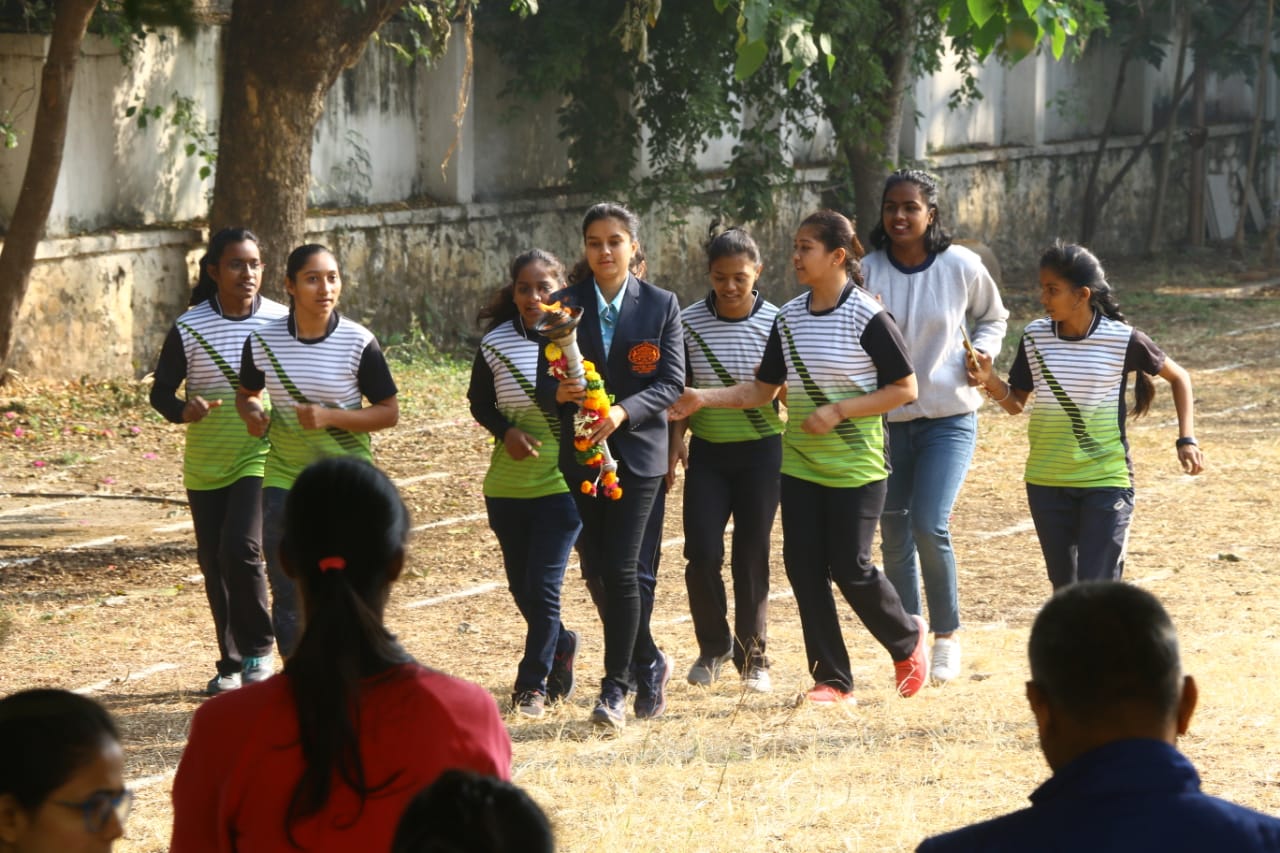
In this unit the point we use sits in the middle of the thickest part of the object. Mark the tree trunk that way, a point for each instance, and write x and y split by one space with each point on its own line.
71 19
1166 151
1199 137
869 153
1091 208
1255 134
280 58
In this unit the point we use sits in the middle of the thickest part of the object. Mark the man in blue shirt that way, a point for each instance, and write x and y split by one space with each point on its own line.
1110 700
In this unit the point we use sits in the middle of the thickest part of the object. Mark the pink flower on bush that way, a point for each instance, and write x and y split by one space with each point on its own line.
39 463
19 432
8 416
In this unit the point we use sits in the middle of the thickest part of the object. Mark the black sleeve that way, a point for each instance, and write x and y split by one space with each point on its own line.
251 378
773 367
373 377
170 371
1020 373
484 399
1143 354
883 342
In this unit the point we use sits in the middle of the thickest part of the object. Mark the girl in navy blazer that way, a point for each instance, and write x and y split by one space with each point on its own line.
631 331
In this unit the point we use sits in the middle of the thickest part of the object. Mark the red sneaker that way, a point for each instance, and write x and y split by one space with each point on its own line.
912 673
826 694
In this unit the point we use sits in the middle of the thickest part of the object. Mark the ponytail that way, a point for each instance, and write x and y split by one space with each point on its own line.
835 231
1079 267
345 528
206 288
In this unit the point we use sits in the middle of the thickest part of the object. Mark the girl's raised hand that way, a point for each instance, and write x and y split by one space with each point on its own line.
688 403
979 368
571 391
519 444
822 420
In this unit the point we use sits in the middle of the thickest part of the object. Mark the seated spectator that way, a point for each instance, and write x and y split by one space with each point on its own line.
464 812
1110 700
61 774
325 756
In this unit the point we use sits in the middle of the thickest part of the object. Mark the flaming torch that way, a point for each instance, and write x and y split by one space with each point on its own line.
559 324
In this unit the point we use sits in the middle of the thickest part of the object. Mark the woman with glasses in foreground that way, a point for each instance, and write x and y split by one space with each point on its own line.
61 774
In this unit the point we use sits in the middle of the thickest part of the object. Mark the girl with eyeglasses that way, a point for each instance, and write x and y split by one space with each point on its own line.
223 465
61 774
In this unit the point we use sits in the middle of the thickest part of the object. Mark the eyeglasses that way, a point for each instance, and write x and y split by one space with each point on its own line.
237 265
99 808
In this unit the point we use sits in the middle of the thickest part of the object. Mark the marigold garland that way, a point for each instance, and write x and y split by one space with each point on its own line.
594 408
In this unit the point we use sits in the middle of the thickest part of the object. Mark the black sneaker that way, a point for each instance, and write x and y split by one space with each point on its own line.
529 703
610 712
651 688
560 680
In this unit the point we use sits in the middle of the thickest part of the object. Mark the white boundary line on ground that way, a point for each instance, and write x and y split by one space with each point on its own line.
409 481
93 543
23 510
450 596
173 528
133 676
1020 527
446 522
1224 368
1244 331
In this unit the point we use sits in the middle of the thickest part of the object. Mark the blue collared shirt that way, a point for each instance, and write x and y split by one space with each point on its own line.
609 312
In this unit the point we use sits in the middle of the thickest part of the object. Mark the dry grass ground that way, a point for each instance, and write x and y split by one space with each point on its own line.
722 771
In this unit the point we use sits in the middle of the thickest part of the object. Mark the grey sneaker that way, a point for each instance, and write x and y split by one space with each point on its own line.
529 703
706 669
610 712
256 669
222 683
756 679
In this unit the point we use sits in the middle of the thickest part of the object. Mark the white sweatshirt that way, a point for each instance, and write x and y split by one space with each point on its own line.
931 303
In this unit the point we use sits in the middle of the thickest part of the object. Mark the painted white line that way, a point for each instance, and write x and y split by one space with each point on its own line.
34 508
133 676
173 528
450 596
148 781
1224 368
446 522
1245 331
18 561
1020 527
194 579
409 481
94 543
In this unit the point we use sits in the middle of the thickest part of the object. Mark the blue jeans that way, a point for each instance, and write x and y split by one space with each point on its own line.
286 613
930 457
536 535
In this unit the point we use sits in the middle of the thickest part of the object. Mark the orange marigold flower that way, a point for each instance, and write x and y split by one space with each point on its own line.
588 488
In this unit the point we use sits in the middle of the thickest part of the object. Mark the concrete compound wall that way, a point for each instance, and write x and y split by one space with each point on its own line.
100 305
1012 166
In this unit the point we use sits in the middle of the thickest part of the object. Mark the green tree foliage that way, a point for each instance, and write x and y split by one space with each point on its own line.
754 70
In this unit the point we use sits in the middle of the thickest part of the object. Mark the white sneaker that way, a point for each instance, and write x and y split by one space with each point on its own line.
946 659
756 679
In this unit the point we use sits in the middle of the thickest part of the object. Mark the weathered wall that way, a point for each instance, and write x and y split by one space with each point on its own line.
100 305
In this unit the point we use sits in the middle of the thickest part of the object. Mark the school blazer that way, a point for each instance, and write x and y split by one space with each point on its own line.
644 372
